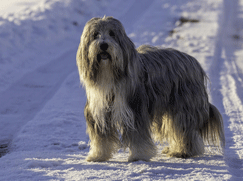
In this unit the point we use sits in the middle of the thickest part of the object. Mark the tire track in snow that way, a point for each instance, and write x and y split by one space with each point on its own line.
25 98
225 76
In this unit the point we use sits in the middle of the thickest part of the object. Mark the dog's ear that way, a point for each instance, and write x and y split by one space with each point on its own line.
80 62
82 58
131 59
82 53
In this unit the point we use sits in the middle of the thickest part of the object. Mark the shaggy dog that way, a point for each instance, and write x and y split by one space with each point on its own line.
135 96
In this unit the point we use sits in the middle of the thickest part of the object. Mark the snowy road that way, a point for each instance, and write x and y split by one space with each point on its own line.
25 98
41 110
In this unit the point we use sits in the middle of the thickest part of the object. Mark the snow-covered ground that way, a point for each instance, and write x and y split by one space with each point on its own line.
41 100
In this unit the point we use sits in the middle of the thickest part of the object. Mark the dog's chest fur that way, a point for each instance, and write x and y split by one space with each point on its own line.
108 98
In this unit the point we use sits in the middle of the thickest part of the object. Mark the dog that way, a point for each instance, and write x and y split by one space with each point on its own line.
137 97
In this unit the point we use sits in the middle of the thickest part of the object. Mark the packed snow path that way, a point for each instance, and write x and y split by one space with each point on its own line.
226 81
48 139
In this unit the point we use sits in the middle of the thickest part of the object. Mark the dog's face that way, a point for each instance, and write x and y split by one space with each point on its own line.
104 45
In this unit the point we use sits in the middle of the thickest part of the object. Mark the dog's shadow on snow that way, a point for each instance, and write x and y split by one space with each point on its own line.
159 167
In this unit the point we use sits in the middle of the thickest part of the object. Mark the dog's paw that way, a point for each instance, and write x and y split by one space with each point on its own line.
178 155
134 159
137 157
166 150
170 153
92 158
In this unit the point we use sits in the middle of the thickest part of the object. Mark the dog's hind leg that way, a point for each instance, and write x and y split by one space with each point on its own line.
188 145
187 136
183 137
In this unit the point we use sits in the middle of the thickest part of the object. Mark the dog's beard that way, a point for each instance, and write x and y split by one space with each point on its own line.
104 57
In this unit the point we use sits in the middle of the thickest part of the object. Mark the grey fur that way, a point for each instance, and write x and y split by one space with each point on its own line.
134 94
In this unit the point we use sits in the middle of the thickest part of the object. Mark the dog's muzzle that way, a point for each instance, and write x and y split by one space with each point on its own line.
103 55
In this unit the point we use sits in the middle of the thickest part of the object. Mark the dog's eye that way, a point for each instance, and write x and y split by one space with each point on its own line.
112 34
96 34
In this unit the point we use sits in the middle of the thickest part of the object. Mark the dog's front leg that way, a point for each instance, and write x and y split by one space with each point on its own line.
141 146
103 143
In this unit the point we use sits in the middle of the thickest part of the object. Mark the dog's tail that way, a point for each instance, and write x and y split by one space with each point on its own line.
213 129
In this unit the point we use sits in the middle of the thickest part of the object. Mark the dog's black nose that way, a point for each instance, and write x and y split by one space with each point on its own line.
103 46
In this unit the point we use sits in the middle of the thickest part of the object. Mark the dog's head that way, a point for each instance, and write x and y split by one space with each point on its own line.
105 45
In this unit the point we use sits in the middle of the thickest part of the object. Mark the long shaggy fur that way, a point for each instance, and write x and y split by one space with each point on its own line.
135 96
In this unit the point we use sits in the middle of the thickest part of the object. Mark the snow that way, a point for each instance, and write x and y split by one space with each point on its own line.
42 101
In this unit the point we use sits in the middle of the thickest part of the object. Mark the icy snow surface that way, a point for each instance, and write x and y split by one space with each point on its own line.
42 126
